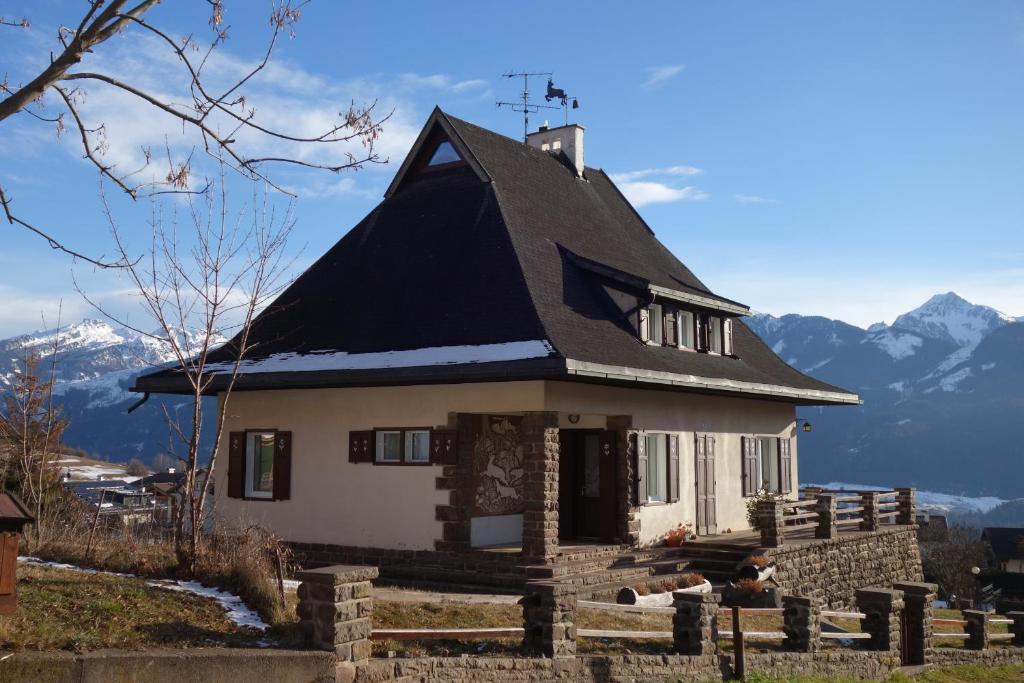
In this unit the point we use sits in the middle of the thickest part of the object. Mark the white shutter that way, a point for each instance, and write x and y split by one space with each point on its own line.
645 325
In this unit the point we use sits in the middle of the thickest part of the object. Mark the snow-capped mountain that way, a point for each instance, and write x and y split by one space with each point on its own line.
942 386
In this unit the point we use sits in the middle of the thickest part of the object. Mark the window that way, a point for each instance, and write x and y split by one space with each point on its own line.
444 154
685 329
768 463
714 334
389 446
259 465
401 446
657 468
657 323
417 445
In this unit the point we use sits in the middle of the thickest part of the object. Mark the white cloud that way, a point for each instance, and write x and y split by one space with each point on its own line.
440 82
657 75
646 192
630 176
753 199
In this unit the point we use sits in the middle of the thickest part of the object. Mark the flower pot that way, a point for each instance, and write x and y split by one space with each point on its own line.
629 596
751 571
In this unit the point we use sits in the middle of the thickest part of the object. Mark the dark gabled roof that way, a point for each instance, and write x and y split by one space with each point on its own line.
512 246
1007 543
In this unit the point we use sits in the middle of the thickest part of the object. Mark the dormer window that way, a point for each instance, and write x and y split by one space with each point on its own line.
657 325
444 154
664 325
684 326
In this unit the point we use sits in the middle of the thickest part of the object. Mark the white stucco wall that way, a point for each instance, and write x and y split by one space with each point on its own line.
729 419
337 502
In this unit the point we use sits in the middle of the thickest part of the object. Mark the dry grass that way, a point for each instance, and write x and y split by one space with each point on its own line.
67 610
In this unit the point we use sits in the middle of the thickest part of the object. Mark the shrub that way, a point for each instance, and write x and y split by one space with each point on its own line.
753 503
642 589
759 561
677 537
691 579
669 586
749 586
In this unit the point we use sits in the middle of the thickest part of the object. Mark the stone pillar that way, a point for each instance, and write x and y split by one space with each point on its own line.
335 606
801 623
549 619
1017 627
695 623
906 499
882 608
826 510
918 599
976 629
869 516
770 523
812 492
540 485
457 480
628 522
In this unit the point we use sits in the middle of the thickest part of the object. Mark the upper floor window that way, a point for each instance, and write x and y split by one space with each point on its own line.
685 329
444 154
714 334
657 324
663 325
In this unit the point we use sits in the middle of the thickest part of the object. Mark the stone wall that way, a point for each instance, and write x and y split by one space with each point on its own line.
831 570
997 656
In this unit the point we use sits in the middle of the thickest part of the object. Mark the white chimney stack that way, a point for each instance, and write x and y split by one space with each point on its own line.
565 139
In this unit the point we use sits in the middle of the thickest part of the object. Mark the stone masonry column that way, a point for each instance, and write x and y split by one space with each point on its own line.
695 623
882 608
826 510
540 485
628 519
801 623
869 516
918 599
976 629
906 508
1017 627
549 619
335 606
770 523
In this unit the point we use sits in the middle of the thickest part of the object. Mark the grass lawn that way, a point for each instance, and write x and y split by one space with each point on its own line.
956 674
67 610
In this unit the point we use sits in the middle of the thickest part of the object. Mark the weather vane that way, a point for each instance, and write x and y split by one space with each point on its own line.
527 107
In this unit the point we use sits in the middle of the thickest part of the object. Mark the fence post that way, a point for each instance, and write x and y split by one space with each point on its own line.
771 523
695 623
881 608
335 607
869 519
918 599
1017 627
801 623
549 619
976 629
826 510
907 505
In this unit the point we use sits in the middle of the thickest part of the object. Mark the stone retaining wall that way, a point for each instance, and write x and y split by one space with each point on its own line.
997 656
831 570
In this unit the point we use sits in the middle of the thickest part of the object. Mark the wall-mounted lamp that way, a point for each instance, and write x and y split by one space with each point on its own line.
806 426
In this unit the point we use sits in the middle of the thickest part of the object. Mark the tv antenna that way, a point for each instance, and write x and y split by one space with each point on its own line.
527 107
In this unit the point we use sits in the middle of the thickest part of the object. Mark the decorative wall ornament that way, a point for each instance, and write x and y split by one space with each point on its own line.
498 467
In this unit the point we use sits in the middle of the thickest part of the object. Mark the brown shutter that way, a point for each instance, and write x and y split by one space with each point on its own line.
673 468
701 341
645 324
727 343
671 337
360 446
236 465
749 466
712 485
282 465
785 466
442 446
640 472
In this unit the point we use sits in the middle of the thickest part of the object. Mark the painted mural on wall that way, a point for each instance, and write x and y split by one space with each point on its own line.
498 467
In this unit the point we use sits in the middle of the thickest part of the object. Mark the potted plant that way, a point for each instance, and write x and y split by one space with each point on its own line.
678 536
750 593
693 582
756 568
660 595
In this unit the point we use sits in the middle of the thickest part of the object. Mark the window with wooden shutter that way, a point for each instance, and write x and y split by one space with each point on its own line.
640 467
443 447
785 466
702 332
751 478
645 324
236 465
686 330
360 446
727 340
282 465
673 468
671 336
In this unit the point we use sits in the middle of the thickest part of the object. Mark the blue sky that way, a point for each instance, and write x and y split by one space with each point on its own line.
841 159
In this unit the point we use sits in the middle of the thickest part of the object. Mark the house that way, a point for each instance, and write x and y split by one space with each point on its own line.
166 488
1005 548
501 355
120 502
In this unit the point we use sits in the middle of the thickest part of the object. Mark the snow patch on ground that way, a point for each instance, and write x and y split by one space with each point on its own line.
950 382
238 611
987 366
898 345
903 421
315 361
930 501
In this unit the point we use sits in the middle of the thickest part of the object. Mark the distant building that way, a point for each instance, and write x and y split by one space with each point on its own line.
932 528
118 500
1006 548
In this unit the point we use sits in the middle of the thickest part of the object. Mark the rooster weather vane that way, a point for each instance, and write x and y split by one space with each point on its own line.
527 107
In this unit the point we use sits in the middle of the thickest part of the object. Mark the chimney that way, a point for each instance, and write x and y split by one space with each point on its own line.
565 139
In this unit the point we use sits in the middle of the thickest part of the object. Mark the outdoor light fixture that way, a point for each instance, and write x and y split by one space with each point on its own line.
975 570
806 426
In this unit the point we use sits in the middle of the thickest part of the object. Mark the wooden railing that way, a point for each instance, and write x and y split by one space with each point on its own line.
827 513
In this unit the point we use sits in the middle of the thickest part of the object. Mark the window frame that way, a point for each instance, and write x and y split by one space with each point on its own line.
655 322
403 441
776 457
248 491
663 436
715 332
684 315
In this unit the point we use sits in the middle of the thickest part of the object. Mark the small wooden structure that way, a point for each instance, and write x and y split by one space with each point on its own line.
13 517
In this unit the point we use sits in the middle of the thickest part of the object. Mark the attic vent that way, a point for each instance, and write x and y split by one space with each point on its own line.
444 154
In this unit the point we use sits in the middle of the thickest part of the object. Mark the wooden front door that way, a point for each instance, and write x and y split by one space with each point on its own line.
704 450
587 485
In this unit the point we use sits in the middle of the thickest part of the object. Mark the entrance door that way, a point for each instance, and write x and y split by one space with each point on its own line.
587 485
704 449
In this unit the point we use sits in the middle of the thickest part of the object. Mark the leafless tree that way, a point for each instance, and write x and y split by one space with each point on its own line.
219 114
203 276
949 561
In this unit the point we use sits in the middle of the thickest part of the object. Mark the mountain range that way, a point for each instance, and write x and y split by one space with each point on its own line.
942 390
